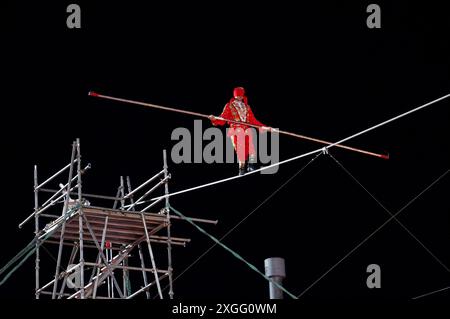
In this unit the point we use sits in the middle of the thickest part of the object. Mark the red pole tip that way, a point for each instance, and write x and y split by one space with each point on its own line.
385 156
92 93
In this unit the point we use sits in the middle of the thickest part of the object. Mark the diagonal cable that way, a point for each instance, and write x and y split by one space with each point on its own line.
431 293
373 233
233 253
399 222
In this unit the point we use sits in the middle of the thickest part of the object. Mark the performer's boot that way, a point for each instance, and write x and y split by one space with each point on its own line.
252 163
242 169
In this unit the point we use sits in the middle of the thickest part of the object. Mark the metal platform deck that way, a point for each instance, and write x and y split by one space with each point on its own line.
124 227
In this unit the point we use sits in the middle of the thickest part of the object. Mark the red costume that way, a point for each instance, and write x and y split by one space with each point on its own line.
237 109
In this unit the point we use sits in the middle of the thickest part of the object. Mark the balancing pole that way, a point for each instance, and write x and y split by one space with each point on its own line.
165 108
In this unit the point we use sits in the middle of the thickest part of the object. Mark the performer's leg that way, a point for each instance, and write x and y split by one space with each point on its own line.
252 160
239 147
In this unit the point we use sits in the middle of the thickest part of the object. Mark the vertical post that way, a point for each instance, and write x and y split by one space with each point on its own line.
63 228
107 265
125 277
122 193
152 258
80 219
102 247
108 279
71 258
169 239
117 195
122 204
112 272
36 230
141 256
275 270
144 273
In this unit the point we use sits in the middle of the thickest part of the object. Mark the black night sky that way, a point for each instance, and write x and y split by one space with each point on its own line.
314 69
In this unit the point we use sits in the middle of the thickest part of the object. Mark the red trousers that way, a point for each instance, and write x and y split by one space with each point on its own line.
242 140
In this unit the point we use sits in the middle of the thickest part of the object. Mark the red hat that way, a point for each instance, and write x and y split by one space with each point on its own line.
239 91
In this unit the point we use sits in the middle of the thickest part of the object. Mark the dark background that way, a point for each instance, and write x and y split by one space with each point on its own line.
313 68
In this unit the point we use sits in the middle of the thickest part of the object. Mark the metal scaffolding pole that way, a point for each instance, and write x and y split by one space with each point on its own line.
117 198
122 193
121 229
140 200
143 184
144 273
169 245
105 272
56 192
160 271
108 279
110 269
52 177
125 273
152 204
71 259
42 209
102 247
61 238
53 280
141 256
125 260
150 250
146 287
80 219
109 251
36 231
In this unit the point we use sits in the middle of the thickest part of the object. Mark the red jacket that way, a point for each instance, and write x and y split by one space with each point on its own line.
231 113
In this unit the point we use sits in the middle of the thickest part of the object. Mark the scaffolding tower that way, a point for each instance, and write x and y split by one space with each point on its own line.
104 241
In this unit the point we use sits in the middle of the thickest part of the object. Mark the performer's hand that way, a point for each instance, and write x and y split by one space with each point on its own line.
266 128
213 119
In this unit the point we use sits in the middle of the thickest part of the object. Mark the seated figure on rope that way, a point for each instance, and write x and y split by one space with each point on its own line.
237 109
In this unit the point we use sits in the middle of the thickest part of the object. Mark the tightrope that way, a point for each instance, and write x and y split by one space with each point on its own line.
323 149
